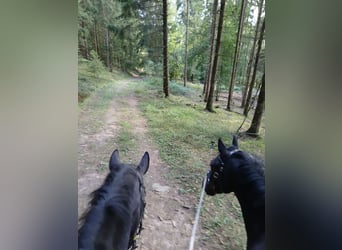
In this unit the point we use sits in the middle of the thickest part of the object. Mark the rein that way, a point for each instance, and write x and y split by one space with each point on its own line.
215 176
133 241
194 228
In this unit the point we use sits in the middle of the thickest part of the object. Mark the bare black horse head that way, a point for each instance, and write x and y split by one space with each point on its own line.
236 171
116 209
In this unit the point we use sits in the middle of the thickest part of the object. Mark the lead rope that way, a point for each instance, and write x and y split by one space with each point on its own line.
194 228
193 235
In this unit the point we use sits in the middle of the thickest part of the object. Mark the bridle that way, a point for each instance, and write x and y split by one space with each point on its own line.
133 241
216 174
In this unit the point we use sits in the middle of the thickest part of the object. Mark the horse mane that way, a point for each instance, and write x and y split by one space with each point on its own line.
107 200
250 191
251 173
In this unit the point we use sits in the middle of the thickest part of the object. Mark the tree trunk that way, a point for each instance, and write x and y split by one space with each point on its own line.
218 87
211 86
251 57
211 50
236 53
83 42
95 38
86 49
165 53
259 111
251 85
244 59
107 48
186 44
217 94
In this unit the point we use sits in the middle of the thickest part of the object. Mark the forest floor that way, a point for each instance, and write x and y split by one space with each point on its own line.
169 215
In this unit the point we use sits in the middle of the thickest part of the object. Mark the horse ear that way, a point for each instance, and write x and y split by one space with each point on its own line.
114 160
235 141
221 147
144 163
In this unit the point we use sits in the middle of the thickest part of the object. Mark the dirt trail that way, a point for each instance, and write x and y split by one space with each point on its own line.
168 216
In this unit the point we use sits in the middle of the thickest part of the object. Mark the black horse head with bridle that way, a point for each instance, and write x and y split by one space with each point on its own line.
114 217
236 171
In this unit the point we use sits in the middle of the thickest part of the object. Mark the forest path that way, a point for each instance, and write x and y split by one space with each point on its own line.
169 215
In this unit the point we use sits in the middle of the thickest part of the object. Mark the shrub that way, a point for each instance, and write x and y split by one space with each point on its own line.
95 65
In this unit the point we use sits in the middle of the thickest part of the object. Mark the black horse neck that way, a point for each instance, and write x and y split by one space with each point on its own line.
250 192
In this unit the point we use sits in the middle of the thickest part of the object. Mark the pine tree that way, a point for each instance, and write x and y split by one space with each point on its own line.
251 57
251 85
165 52
211 52
236 53
210 101
259 111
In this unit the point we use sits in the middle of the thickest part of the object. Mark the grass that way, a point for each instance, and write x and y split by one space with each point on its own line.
89 82
183 131
125 138
101 93
96 105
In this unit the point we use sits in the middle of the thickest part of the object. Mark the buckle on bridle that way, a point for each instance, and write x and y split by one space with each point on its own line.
215 175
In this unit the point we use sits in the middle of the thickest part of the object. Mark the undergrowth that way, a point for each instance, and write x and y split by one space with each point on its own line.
93 75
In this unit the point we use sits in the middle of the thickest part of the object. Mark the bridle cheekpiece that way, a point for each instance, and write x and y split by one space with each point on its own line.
216 174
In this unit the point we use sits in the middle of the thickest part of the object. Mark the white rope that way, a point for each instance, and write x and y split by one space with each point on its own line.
193 235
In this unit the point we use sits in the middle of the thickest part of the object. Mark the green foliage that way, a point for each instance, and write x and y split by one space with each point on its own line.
91 75
84 89
96 66
175 68
178 89
86 81
176 51
153 69
154 81
135 37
